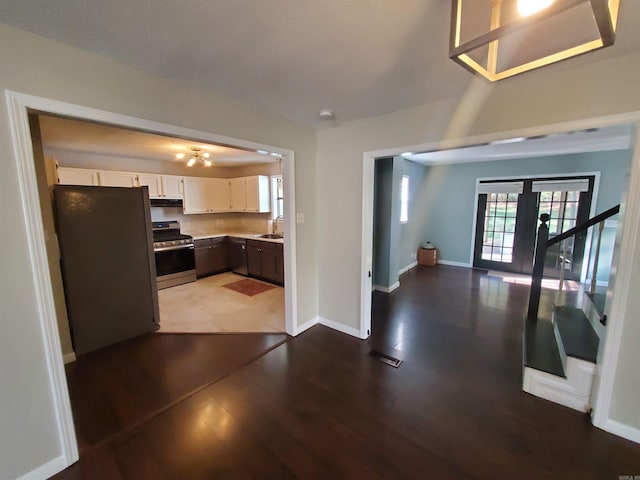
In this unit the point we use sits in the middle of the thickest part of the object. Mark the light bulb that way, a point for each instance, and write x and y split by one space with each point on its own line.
529 7
205 154
179 156
207 163
191 162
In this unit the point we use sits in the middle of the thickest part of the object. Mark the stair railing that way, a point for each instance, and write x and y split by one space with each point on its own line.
543 243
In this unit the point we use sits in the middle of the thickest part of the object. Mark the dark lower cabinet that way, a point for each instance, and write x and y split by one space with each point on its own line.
265 260
211 256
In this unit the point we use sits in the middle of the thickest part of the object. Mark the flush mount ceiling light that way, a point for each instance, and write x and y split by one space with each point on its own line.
196 155
502 38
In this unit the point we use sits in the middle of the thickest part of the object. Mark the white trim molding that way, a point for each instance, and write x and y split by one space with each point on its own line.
354 332
413 264
573 392
454 264
622 430
306 326
45 470
627 251
389 289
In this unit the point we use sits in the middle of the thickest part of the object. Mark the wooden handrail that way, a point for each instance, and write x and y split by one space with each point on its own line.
543 242
583 226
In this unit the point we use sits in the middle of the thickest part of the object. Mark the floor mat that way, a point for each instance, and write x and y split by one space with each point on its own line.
248 287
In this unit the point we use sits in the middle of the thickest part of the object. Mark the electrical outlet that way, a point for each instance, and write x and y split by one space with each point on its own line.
299 217
413 256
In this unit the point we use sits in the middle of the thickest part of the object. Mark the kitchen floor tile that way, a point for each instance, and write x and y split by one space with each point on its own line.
205 306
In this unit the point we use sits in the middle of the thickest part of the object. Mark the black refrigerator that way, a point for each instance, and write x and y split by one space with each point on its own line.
107 261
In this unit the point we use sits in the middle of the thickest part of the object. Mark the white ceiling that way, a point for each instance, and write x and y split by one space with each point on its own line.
287 57
593 140
65 134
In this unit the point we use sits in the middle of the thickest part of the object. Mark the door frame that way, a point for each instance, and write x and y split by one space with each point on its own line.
627 231
18 106
592 209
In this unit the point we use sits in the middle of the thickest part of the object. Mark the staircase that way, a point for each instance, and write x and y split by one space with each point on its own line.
562 342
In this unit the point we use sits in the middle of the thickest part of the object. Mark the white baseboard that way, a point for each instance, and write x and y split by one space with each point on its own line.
599 283
454 264
306 326
388 289
408 267
69 357
46 470
622 430
573 392
354 332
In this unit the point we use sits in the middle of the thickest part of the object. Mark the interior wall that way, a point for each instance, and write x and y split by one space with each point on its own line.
566 92
450 192
412 233
383 191
38 66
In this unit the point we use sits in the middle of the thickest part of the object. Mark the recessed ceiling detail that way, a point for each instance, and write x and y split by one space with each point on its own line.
591 140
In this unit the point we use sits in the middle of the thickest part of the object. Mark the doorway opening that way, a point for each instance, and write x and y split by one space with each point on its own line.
20 108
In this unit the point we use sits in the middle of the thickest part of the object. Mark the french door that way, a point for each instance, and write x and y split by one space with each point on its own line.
507 222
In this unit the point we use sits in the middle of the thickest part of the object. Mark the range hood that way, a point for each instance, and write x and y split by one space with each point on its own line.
166 202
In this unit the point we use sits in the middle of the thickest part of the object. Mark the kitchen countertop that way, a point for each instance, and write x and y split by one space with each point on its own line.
202 234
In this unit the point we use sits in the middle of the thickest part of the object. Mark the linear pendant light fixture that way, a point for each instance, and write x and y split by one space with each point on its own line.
196 155
498 39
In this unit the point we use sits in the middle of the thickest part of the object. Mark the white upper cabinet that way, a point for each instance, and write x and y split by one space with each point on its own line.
161 186
206 195
250 194
258 194
196 199
151 181
171 186
219 194
77 176
200 194
238 194
117 179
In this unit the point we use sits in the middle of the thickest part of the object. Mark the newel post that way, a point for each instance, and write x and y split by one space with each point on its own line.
538 267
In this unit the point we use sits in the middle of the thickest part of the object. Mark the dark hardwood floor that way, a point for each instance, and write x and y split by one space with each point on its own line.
319 406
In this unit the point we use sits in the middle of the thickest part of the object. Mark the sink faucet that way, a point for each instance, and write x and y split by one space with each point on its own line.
275 226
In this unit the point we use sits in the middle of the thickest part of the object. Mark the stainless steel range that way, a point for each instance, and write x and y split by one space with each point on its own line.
175 255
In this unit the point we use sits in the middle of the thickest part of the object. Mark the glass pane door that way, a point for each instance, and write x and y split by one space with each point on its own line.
562 208
499 227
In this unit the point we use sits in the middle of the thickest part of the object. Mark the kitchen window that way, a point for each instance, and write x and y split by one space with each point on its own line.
277 196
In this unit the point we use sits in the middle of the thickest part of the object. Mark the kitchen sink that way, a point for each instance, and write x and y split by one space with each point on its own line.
271 235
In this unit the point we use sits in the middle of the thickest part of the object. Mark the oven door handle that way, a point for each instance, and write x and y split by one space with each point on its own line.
173 247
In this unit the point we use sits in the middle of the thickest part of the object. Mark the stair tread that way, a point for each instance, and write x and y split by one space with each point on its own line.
578 337
540 348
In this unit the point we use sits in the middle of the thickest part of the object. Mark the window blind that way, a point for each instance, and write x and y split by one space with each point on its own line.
569 185
500 187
